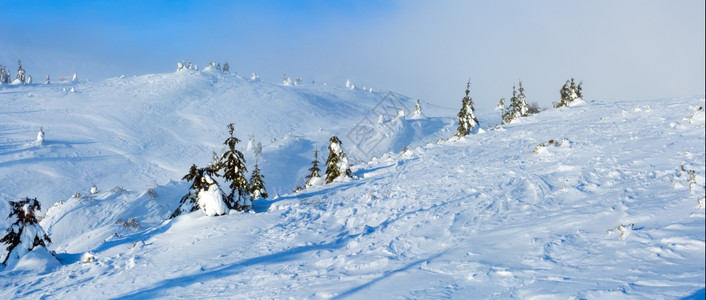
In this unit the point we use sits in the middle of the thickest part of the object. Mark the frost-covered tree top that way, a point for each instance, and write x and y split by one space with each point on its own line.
25 233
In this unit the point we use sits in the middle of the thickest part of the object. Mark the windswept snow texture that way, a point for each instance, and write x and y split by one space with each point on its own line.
616 210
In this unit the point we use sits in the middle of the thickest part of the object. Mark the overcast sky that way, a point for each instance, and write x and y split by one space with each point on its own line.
621 50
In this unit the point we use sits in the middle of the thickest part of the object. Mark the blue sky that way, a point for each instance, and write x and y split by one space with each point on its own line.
424 49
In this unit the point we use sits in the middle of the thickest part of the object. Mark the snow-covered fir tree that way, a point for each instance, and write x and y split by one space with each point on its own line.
569 92
94 190
233 165
189 202
47 80
466 117
257 185
226 67
3 75
314 175
564 96
337 163
40 136
25 234
286 80
204 194
21 76
417 108
518 106
254 77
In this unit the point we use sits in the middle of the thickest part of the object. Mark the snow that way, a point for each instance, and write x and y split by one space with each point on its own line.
609 213
211 201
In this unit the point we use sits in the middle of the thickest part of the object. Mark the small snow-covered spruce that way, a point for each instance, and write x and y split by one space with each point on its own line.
25 234
337 163
257 186
233 165
21 76
94 190
2 74
47 80
417 108
466 118
286 80
314 170
204 194
569 92
518 106
226 67
40 136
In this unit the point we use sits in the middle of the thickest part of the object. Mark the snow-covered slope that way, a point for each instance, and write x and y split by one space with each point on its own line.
137 132
611 212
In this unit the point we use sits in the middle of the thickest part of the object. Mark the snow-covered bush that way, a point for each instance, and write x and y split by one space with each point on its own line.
286 80
551 142
25 234
337 163
131 223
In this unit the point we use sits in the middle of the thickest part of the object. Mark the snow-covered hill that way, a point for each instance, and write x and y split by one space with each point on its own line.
611 212
142 131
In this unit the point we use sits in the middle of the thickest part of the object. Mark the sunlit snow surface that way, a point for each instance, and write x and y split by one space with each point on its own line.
612 212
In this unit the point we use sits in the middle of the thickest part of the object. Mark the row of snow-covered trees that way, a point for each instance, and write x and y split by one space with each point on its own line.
20 78
206 194
184 65
516 108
